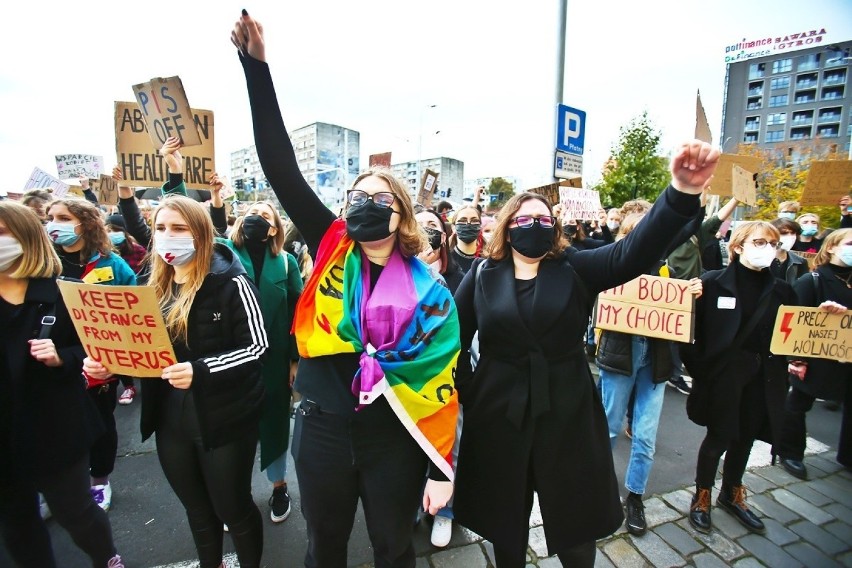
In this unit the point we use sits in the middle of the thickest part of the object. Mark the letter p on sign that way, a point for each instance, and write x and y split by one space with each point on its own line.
571 130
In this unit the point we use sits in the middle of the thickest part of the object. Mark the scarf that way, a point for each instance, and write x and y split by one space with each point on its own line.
406 329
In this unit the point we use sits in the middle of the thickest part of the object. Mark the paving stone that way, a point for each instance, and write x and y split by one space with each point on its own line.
756 483
551 562
772 509
535 514
489 551
812 513
776 475
748 563
815 467
827 465
846 559
657 551
845 473
657 512
715 541
809 494
470 555
777 533
767 552
601 561
467 535
725 522
809 556
537 542
422 562
840 529
819 537
678 538
621 552
708 560
836 492
679 500
840 512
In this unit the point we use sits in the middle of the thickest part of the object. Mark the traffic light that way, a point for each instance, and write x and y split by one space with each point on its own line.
449 192
238 184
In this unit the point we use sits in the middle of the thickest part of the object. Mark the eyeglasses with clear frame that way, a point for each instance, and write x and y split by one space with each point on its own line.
357 198
527 221
761 243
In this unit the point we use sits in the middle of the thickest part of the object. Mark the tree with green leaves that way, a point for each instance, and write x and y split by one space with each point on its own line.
502 189
635 169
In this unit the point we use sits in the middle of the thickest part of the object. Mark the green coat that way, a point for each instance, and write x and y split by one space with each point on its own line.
280 286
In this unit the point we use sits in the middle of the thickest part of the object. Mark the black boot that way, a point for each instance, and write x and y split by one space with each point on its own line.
795 468
635 515
699 511
733 500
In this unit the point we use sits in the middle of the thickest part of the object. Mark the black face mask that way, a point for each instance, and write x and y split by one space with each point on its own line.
533 242
368 222
467 233
569 230
434 237
255 228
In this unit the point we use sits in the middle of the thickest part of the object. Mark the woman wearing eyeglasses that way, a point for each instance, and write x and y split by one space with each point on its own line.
378 339
466 243
738 386
533 419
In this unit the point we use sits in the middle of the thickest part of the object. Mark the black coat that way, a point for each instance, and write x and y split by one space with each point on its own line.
826 379
48 421
225 341
532 415
719 371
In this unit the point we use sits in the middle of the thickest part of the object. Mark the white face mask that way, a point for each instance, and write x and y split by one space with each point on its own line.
613 225
759 258
174 250
10 251
787 241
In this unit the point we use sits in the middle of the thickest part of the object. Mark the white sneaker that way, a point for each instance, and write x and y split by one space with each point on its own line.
102 494
442 531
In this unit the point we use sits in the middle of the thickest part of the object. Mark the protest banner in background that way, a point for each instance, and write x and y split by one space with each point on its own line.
72 166
580 204
551 190
106 190
166 111
652 306
143 165
40 179
827 182
722 182
743 186
809 256
76 191
702 127
427 188
382 160
120 326
812 332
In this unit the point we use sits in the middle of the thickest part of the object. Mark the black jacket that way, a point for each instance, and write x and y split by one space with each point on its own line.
225 342
47 422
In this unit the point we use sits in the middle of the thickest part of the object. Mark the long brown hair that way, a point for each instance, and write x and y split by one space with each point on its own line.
500 247
92 227
175 307
39 259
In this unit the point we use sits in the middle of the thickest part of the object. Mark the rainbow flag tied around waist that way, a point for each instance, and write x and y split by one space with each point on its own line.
406 329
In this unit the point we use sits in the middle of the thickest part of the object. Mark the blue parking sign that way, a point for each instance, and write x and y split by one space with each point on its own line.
571 129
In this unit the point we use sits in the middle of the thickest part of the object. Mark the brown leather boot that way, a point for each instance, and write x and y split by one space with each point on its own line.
733 501
699 511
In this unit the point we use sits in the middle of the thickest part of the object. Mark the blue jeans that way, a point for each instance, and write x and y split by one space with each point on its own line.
277 470
615 391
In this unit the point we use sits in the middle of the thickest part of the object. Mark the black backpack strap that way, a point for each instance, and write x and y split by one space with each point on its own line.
48 319
817 286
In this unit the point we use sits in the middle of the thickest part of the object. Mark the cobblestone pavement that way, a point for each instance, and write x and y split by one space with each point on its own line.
808 524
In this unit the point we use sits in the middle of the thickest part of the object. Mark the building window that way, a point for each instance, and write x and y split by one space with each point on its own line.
776 118
756 70
775 136
752 123
750 137
808 62
808 97
782 66
754 103
780 83
829 131
830 114
778 100
832 93
805 117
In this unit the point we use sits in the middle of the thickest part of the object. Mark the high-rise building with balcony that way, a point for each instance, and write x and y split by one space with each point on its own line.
450 176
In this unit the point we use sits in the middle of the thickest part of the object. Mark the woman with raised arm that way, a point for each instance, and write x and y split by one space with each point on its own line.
378 340
533 419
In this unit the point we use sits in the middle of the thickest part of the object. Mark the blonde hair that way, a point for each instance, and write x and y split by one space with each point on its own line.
628 224
635 206
175 307
744 231
92 226
39 259
831 241
275 242
804 215
789 205
410 239
499 247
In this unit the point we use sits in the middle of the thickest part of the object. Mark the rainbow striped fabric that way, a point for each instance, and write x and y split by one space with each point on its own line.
406 330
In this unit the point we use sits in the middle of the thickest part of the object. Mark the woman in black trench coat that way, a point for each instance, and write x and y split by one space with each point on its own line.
533 418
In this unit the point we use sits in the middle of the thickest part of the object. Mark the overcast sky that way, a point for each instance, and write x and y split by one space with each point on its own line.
377 66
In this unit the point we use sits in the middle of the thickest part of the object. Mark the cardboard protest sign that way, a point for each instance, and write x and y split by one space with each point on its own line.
827 182
427 188
742 186
143 165
382 160
41 179
812 332
106 190
166 111
76 191
652 306
72 166
722 183
551 190
580 204
702 127
120 326
809 256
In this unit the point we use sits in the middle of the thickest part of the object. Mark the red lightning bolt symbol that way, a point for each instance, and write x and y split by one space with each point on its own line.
170 258
785 325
